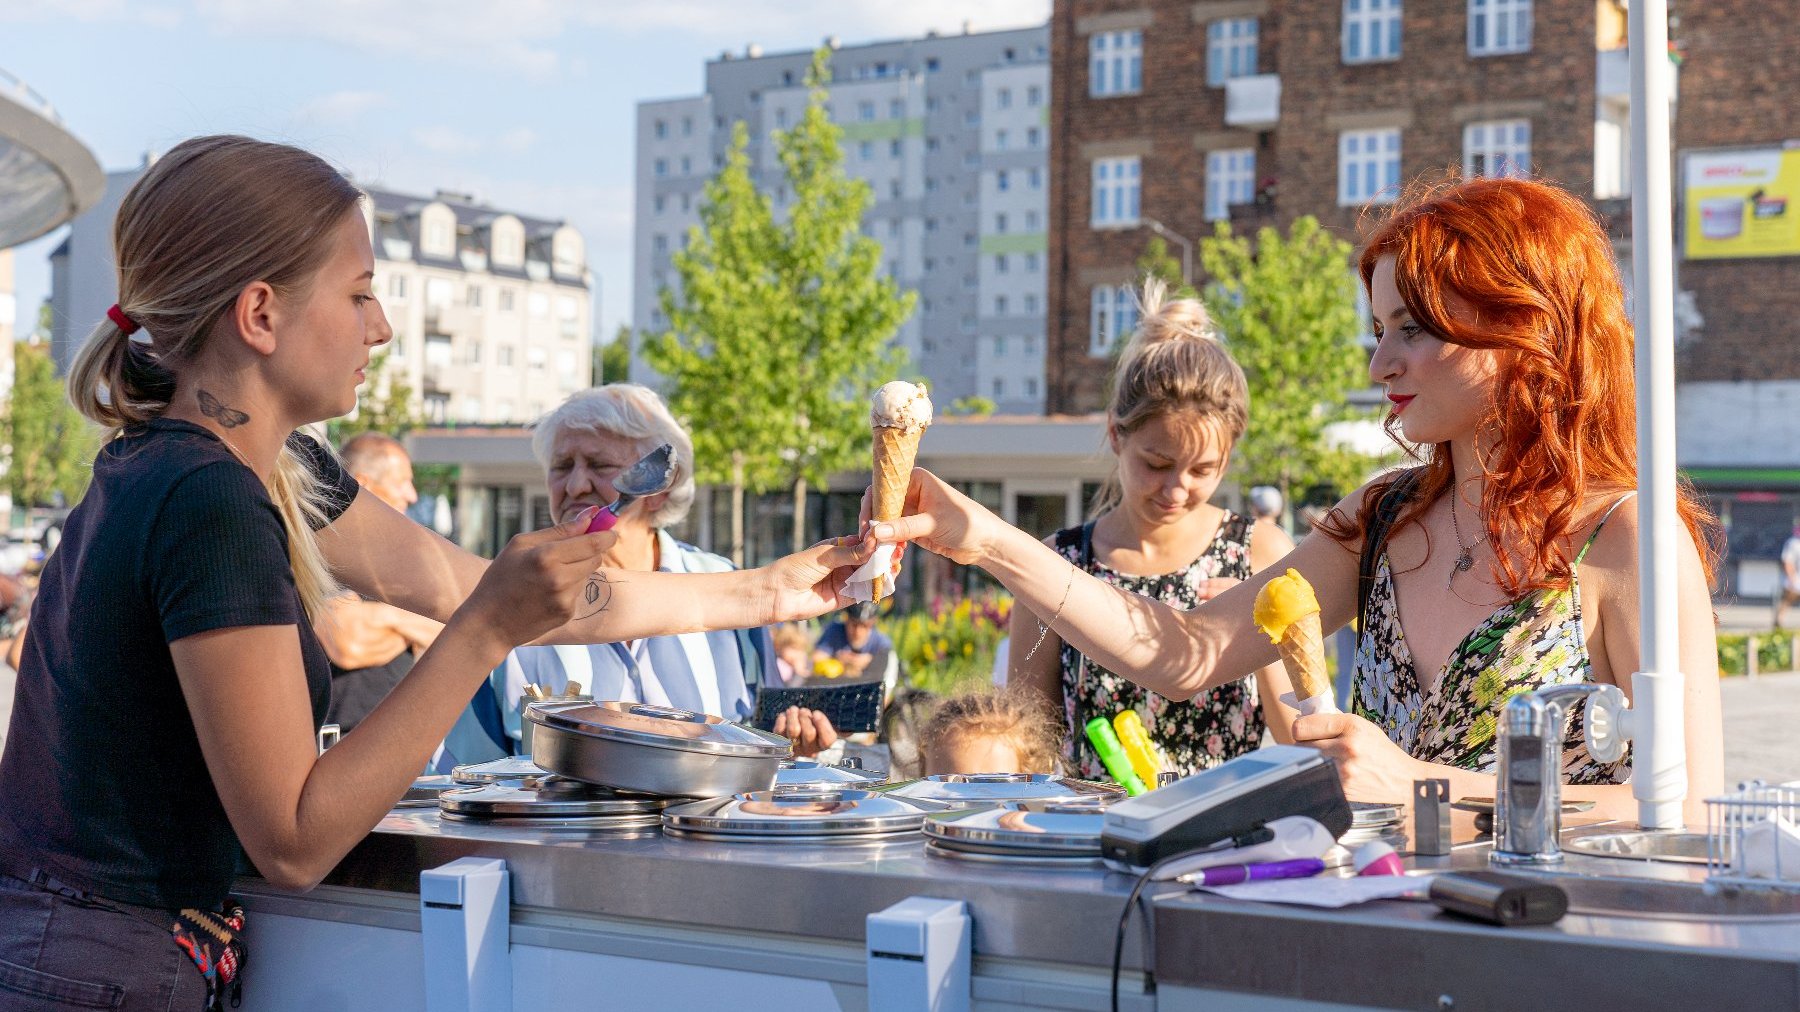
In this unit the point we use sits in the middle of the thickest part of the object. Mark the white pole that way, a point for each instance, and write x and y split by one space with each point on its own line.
1659 765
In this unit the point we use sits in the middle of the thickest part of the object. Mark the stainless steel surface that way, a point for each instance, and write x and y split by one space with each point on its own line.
813 813
1528 788
813 773
1060 828
545 798
654 749
980 790
1684 848
512 767
425 791
653 473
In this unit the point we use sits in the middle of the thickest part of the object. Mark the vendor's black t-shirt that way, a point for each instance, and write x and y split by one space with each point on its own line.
103 784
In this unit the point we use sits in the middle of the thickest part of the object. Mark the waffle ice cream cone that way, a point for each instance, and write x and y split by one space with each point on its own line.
1288 613
899 416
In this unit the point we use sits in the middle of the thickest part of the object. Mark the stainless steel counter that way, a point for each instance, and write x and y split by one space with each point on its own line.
1637 936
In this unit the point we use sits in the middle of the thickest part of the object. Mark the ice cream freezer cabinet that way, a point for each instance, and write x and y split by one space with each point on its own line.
441 915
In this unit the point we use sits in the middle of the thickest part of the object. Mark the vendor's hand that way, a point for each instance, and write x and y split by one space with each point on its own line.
1372 767
811 582
541 580
939 518
809 730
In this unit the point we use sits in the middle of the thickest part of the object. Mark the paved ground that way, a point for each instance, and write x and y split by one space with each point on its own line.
1762 725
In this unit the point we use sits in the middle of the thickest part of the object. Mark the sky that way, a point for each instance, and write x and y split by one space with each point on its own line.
528 104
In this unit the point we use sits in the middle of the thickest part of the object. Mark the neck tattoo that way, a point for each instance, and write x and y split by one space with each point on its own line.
1465 559
216 410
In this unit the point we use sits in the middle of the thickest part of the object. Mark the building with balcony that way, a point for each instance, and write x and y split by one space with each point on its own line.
491 309
951 133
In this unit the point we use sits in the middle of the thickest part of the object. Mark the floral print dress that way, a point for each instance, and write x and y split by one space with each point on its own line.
1195 734
1526 644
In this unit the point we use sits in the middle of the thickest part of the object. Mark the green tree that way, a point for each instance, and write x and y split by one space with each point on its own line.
384 403
781 330
612 360
50 445
1287 308
1158 262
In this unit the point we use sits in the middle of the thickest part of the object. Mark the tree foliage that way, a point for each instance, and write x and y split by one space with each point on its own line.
781 329
1287 308
384 403
612 360
50 445
1157 262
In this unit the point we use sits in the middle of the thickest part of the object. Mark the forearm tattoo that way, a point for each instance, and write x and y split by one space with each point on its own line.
215 409
596 595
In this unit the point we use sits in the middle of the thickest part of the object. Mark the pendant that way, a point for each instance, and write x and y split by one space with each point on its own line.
1464 563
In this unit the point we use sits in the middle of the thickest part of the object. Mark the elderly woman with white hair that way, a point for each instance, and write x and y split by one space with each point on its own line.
583 445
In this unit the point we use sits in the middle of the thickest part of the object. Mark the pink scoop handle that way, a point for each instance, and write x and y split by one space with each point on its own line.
603 520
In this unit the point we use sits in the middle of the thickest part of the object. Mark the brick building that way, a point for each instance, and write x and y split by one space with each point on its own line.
1178 114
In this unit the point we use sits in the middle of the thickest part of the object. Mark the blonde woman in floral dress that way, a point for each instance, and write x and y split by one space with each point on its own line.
1179 405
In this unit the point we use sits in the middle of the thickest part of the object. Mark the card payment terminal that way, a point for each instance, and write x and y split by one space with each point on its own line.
1227 803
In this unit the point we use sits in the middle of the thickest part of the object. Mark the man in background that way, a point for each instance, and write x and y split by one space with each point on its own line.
1789 591
372 645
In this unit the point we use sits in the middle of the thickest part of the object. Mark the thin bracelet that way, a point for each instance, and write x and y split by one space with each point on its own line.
1044 627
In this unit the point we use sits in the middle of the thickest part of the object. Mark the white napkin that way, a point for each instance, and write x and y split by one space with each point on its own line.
1323 703
861 586
1326 891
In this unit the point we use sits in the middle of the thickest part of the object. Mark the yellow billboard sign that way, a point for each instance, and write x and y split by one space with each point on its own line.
1742 204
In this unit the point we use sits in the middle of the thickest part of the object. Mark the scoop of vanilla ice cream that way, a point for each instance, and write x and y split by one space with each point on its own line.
900 405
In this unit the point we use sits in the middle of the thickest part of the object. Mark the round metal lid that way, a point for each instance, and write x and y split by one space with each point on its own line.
1055 827
970 790
796 773
425 791
513 767
799 812
659 727
553 797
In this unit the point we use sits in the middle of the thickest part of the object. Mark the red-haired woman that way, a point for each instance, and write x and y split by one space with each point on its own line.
1511 560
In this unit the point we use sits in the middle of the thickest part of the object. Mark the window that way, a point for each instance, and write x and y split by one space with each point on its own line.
1230 50
1000 306
1497 148
1001 180
1499 26
894 149
1035 177
1112 315
1000 346
1000 263
1000 222
1034 138
659 245
474 353
1003 98
1115 63
1031 309
999 387
397 286
437 292
687 126
865 111
1368 166
1031 263
1230 179
780 118
661 130
1031 221
896 109
660 203
662 168
1371 30
893 189
1000 140
687 166
1034 95
535 358
865 150
473 296
685 204
506 300
1115 192
931 65
538 304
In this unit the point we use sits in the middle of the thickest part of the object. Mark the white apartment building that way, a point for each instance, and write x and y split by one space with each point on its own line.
950 133
491 310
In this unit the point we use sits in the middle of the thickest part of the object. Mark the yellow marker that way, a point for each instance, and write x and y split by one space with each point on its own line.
1138 747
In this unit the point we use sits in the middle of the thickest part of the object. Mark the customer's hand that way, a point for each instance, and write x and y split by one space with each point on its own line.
1213 586
809 583
1372 767
939 518
542 580
809 730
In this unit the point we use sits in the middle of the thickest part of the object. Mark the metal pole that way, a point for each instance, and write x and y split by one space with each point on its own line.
1187 249
1659 765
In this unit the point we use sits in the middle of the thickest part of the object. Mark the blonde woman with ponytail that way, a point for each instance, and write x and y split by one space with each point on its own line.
171 687
1179 404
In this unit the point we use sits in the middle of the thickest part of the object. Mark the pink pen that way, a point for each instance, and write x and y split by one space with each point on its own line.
1232 874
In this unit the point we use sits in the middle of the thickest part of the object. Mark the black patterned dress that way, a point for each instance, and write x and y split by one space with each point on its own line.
1196 734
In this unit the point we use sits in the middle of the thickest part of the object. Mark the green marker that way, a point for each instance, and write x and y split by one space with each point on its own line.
1105 740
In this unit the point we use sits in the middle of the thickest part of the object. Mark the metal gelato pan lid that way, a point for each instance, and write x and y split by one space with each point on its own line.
799 814
980 790
797 773
551 797
513 767
659 727
1061 826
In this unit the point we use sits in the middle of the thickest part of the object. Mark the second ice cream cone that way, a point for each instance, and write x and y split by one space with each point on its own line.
895 451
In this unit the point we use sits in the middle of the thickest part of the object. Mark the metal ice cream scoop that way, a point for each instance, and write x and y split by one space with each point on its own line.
650 475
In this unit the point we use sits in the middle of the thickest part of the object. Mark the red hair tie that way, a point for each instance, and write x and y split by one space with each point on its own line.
123 322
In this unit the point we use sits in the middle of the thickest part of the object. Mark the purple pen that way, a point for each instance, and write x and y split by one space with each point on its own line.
1231 874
